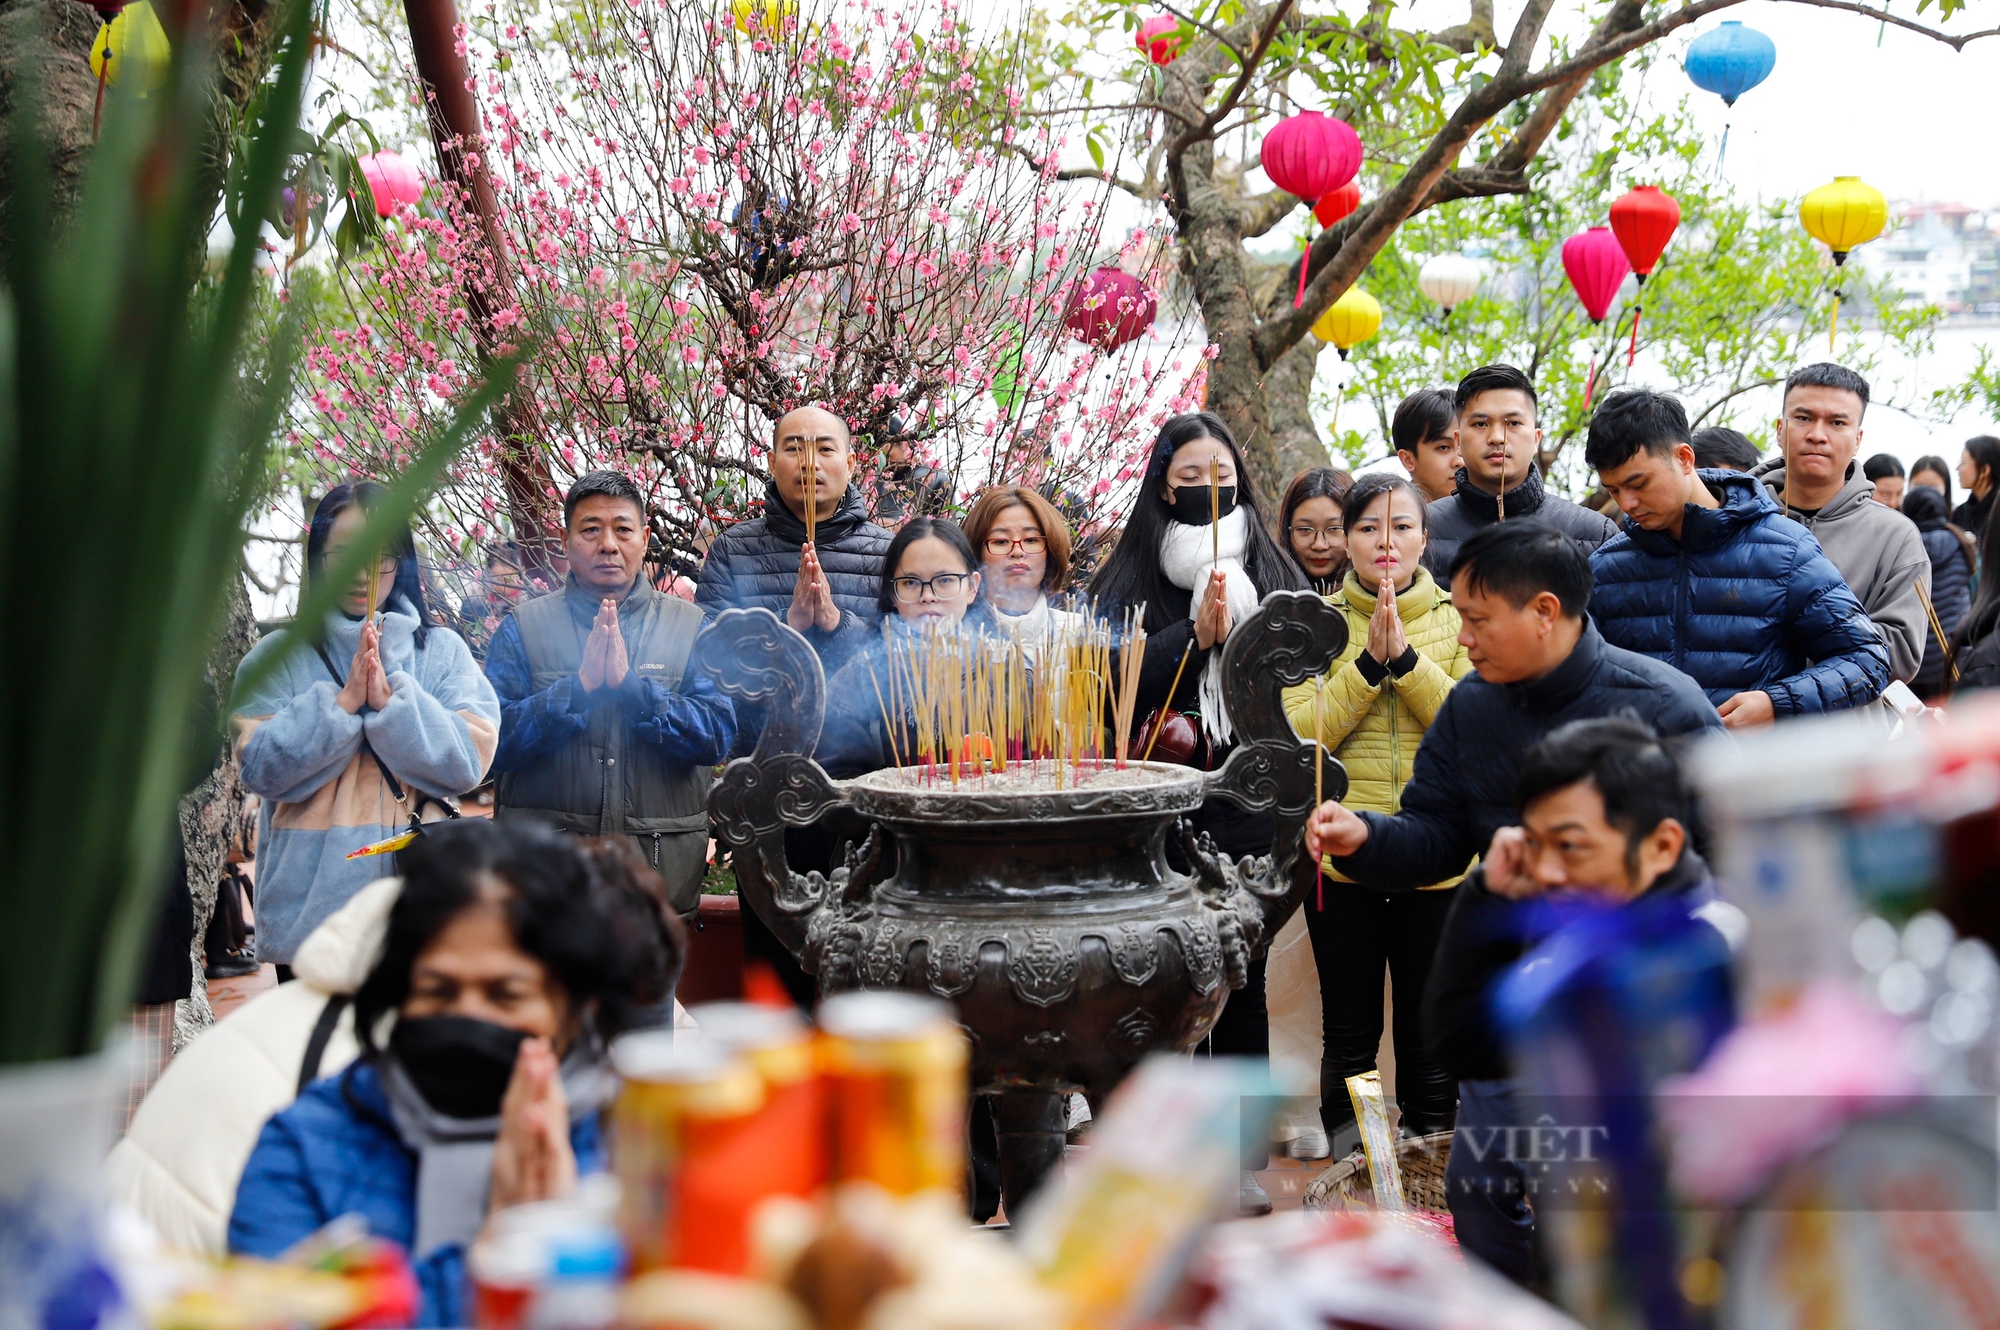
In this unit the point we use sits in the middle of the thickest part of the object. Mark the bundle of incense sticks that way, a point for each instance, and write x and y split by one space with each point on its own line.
812 490
963 705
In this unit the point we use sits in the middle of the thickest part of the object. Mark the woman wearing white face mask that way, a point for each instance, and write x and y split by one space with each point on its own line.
1195 589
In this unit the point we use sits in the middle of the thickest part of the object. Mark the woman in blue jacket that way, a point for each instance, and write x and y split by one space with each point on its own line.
510 957
346 740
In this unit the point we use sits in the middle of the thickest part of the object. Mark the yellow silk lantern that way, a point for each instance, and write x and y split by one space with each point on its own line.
1841 216
1350 320
749 15
133 38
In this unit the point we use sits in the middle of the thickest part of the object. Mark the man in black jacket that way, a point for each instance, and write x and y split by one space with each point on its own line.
1521 592
827 589
1498 444
1605 812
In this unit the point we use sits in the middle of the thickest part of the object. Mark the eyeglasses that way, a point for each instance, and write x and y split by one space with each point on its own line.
944 586
1313 535
1026 544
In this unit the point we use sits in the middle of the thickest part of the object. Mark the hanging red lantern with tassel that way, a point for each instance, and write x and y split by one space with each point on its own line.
1643 221
1310 155
1596 265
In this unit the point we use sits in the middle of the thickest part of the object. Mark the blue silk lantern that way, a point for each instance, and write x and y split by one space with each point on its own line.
1730 60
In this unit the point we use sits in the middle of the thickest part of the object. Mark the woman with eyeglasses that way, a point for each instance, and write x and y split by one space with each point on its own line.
1309 516
1024 547
347 738
930 584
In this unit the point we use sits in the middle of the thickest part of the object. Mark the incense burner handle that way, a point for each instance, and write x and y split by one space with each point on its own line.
755 657
1294 636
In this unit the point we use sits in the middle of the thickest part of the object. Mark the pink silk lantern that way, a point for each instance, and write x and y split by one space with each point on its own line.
1310 155
1108 309
393 181
1596 265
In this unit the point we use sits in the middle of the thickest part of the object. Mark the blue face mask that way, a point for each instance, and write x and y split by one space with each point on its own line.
1191 503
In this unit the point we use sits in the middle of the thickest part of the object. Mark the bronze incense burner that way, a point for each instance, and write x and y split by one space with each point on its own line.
1048 916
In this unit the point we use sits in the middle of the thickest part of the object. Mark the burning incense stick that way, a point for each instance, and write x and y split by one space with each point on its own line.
1215 508
374 587
1160 719
1319 770
1944 643
812 490
888 725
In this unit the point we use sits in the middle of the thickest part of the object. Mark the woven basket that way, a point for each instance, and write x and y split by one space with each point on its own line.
1420 1159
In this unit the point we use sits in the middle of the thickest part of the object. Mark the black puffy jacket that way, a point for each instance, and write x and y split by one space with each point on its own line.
756 564
1951 583
1462 784
1454 518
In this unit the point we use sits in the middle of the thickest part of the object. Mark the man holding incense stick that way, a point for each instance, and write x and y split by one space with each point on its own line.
606 729
813 558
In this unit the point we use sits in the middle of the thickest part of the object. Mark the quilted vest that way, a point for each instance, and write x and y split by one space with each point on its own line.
602 782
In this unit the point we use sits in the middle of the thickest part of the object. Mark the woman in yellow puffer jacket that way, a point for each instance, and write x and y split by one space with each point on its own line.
1371 710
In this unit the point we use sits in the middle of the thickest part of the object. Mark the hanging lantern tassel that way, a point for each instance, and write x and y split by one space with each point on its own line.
1305 262
1590 383
1833 327
103 77
1632 351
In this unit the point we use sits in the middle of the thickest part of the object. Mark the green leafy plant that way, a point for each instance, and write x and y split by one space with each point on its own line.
132 441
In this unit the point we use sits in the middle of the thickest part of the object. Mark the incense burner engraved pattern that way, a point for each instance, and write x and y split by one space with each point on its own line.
1050 917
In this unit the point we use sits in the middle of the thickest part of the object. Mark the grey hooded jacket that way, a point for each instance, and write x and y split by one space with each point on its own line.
1879 552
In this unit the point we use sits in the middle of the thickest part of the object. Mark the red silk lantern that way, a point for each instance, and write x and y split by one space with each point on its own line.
392 181
1332 207
1596 266
1108 309
1644 221
1311 155
1156 37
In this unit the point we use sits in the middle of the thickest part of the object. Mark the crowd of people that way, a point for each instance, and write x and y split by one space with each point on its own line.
1518 671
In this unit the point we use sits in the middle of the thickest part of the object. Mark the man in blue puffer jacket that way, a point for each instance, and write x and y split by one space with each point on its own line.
1709 576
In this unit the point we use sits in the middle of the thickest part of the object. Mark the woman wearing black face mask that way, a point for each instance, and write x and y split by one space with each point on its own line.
511 957
1167 561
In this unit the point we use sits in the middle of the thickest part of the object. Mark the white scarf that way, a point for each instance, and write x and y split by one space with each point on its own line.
1187 554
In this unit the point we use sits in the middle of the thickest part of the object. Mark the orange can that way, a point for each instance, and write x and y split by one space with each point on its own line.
681 1123
896 1076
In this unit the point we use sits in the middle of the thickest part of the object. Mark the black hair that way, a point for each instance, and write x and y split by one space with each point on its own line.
1493 378
1926 507
914 530
1932 462
1426 414
1984 450
1630 421
409 585
1132 576
605 484
1881 466
1315 482
591 912
1638 779
1826 374
1719 447
1520 559
1984 615
1372 487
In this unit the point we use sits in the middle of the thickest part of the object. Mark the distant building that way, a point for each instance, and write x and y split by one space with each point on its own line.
1943 254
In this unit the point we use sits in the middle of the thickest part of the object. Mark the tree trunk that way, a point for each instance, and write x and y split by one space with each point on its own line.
52 39
211 815
1288 391
453 118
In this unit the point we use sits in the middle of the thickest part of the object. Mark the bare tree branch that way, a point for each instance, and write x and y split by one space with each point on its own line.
1957 43
1265 211
1076 173
1237 89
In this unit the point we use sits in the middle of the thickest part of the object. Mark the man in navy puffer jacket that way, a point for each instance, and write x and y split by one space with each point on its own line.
1709 576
